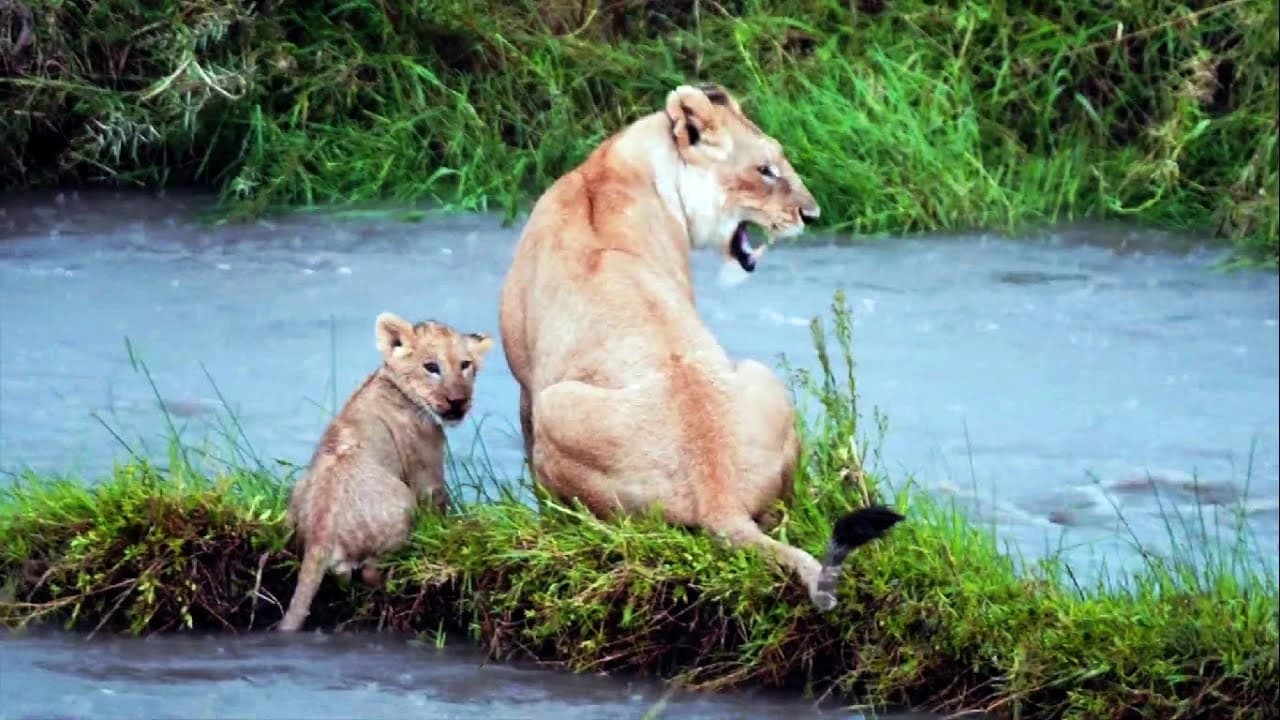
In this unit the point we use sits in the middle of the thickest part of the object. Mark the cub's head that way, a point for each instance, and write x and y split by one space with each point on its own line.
432 363
731 173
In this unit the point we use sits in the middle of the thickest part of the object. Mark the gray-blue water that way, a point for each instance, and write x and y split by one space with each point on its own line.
317 676
1076 391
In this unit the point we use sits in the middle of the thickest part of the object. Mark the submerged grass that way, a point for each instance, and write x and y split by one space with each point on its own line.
903 116
932 616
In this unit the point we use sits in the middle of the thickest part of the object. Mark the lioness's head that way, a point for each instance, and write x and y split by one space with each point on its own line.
732 174
432 363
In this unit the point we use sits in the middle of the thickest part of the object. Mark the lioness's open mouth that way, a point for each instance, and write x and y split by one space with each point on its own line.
740 248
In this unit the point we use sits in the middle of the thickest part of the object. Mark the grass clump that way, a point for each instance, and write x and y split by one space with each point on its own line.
903 117
932 616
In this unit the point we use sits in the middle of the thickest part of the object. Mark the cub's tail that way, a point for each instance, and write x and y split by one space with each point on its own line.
851 531
314 561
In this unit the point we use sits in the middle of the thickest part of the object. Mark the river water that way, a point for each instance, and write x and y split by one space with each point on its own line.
1081 392
342 676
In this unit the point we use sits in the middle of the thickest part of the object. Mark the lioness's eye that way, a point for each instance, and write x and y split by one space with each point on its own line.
432 368
466 364
767 171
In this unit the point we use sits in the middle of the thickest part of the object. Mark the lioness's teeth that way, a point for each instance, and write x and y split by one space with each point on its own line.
755 254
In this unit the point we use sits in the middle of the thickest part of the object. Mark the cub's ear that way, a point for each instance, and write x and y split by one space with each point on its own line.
694 126
479 344
393 335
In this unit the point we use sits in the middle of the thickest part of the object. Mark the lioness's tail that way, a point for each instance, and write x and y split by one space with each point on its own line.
851 531
314 560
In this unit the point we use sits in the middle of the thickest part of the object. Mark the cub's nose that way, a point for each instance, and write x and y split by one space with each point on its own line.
457 408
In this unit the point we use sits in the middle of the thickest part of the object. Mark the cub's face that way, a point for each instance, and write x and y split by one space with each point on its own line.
433 363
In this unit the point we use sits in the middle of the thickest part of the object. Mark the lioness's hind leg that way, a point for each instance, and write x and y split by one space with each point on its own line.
590 443
768 426
526 423
742 532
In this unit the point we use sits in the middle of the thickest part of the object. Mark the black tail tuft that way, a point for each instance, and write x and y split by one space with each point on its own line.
862 526
853 530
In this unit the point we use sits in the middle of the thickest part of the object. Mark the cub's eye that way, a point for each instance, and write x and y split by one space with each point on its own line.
767 171
432 368
466 364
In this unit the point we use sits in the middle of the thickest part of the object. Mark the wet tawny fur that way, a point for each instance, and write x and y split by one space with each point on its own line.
626 399
383 455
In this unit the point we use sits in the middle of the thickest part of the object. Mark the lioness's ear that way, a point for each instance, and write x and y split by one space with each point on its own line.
393 335
479 344
693 123
719 96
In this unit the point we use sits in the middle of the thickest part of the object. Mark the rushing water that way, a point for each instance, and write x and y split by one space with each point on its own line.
317 676
1076 391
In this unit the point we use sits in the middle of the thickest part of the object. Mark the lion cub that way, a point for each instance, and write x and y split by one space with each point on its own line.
382 455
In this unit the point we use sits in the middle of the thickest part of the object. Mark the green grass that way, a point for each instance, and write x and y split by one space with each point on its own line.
934 615
905 116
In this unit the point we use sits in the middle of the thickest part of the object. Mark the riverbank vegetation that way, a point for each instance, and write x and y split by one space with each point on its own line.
934 615
903 116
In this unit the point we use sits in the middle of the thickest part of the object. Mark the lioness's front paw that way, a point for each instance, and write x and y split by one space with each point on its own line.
823 600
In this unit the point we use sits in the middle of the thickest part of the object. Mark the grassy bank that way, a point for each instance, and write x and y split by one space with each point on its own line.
903 116
934 615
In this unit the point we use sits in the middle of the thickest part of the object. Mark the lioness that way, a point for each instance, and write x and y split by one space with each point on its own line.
382 455
626 399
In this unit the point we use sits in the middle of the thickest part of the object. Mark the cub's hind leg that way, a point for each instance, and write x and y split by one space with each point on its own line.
374 522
